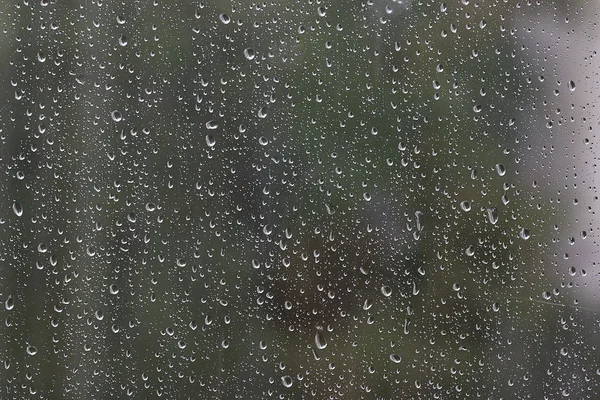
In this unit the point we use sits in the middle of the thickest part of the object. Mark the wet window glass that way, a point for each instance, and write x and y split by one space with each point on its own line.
341 199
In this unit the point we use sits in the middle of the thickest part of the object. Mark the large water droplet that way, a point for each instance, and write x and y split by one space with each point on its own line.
287 381
17 208
492 213
31 350
320 341
386 291
116 116
9 304
249 53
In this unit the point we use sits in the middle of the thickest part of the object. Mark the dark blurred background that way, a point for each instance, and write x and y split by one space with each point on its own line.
314 199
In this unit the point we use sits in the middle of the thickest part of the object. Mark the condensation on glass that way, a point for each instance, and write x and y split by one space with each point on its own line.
345 199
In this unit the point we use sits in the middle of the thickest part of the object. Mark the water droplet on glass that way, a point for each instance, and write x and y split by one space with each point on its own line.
524 233
225 18
395 358
571 86
492 213
116 116
9 304
114 289
210 141
249 53
287 381
470 251
320 341
465 205
31 350
386 291
17 208
212 124
500 169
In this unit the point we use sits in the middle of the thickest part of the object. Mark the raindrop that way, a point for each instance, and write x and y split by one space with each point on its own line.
116 116
249 54
17 208
465 205
386 291
492 213
320 341
225 18
210 141
31 350
9 304
395 358
212 124
500 169
287 381
114 289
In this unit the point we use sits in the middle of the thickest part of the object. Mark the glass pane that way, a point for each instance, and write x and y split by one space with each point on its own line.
336 199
